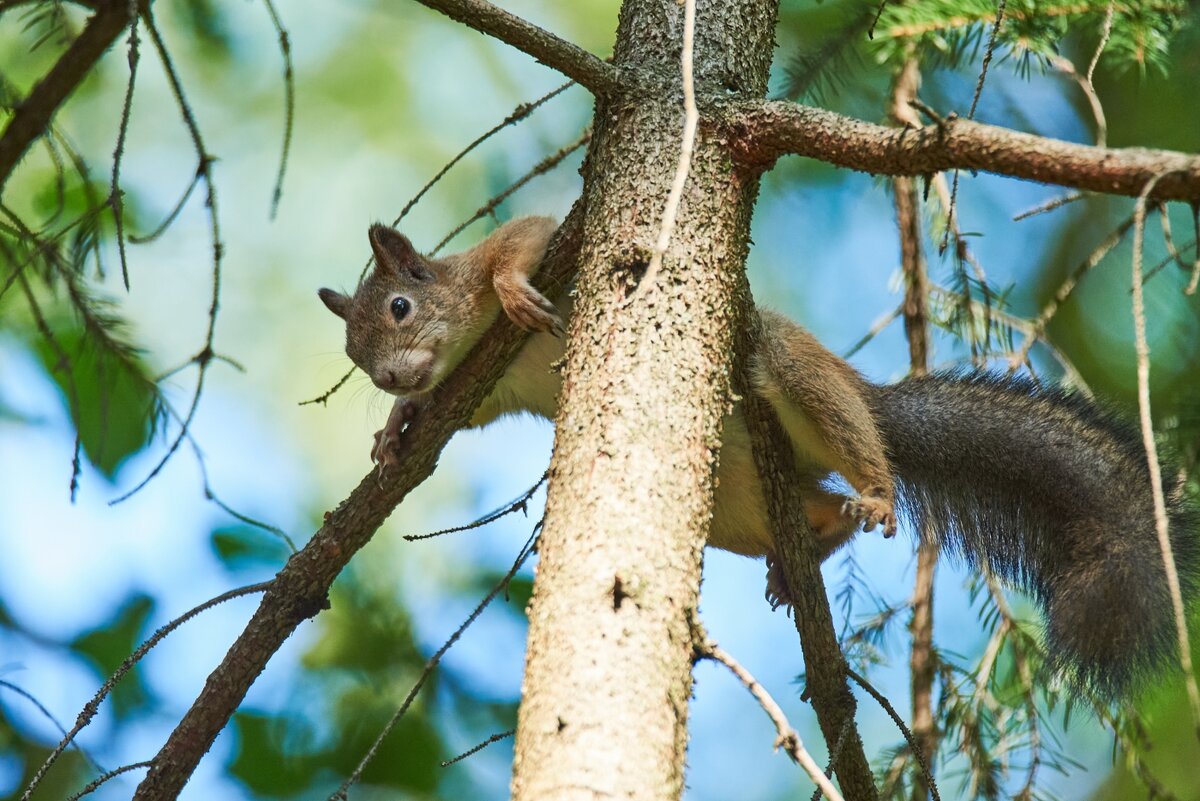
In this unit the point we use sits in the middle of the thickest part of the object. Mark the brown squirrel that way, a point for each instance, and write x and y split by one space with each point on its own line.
1045 488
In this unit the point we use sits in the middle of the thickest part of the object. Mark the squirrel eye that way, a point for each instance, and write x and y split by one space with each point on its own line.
400 307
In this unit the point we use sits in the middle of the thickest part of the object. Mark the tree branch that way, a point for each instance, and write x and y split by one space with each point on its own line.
770 129
300 589
825 666
33 115
568 58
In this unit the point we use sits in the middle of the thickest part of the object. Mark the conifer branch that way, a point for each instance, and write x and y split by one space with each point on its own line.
770 129
32 117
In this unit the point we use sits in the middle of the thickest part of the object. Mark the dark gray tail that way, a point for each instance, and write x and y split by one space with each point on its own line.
1053 493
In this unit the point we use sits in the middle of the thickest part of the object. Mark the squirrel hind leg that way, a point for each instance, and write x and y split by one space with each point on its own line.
833 528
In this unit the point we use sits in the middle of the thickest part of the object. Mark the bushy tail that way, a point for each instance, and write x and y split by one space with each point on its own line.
1052 493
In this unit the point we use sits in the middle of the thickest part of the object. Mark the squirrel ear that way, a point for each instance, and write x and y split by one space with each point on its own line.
395 253
336 302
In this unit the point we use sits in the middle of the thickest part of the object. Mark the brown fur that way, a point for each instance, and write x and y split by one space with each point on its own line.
1045 488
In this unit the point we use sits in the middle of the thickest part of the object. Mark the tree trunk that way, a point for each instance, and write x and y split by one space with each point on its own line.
608 670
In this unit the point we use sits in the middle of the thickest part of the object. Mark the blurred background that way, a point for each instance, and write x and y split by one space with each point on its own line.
385 94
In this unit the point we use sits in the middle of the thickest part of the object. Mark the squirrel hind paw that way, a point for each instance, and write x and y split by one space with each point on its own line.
871 510
529 308
777 593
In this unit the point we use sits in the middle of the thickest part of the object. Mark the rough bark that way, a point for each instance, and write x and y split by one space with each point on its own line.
608 671
772 129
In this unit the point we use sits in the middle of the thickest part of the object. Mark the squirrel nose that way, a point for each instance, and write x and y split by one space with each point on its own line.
385 379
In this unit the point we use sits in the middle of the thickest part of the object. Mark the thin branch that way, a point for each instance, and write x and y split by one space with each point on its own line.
769 129
541 168
46 713
289 102
91 707
526 550
987 57
115 197
1050 205
788 738
826 681
495 738
204 358
32 117
908 735
875 330
569 59
1065 289
93 785
1160 506
687 142
521 504
300 589
916 328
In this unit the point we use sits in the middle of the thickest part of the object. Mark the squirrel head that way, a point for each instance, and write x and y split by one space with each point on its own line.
406 319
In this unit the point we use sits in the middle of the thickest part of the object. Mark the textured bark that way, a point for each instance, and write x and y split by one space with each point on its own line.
769 130
825 665
608 671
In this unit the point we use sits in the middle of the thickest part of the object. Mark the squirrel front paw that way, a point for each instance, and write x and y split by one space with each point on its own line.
527 307
872 508
387 449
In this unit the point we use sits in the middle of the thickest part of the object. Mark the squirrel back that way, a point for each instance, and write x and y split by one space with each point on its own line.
1051 492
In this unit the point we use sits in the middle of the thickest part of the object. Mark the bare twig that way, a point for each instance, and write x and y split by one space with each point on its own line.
48 715
521 504
875 330
788 738
91 707
526 550
899 721
116 197
541 168
93 785
1160 507
289 102
1049 205
687 142
1065 289
495 738
204 358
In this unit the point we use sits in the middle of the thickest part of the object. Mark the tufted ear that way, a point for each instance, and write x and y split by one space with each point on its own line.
395 254
336 302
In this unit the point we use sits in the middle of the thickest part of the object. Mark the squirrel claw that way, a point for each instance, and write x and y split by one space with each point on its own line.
777 594
872 509
529 308
388 447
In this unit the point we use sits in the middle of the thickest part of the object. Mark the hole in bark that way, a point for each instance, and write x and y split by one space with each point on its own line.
618 593
630 274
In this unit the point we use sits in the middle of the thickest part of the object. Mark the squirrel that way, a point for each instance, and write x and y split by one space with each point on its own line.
1043 487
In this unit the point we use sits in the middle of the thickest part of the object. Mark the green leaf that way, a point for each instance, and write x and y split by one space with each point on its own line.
262 761
246 547
107 646
110 397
